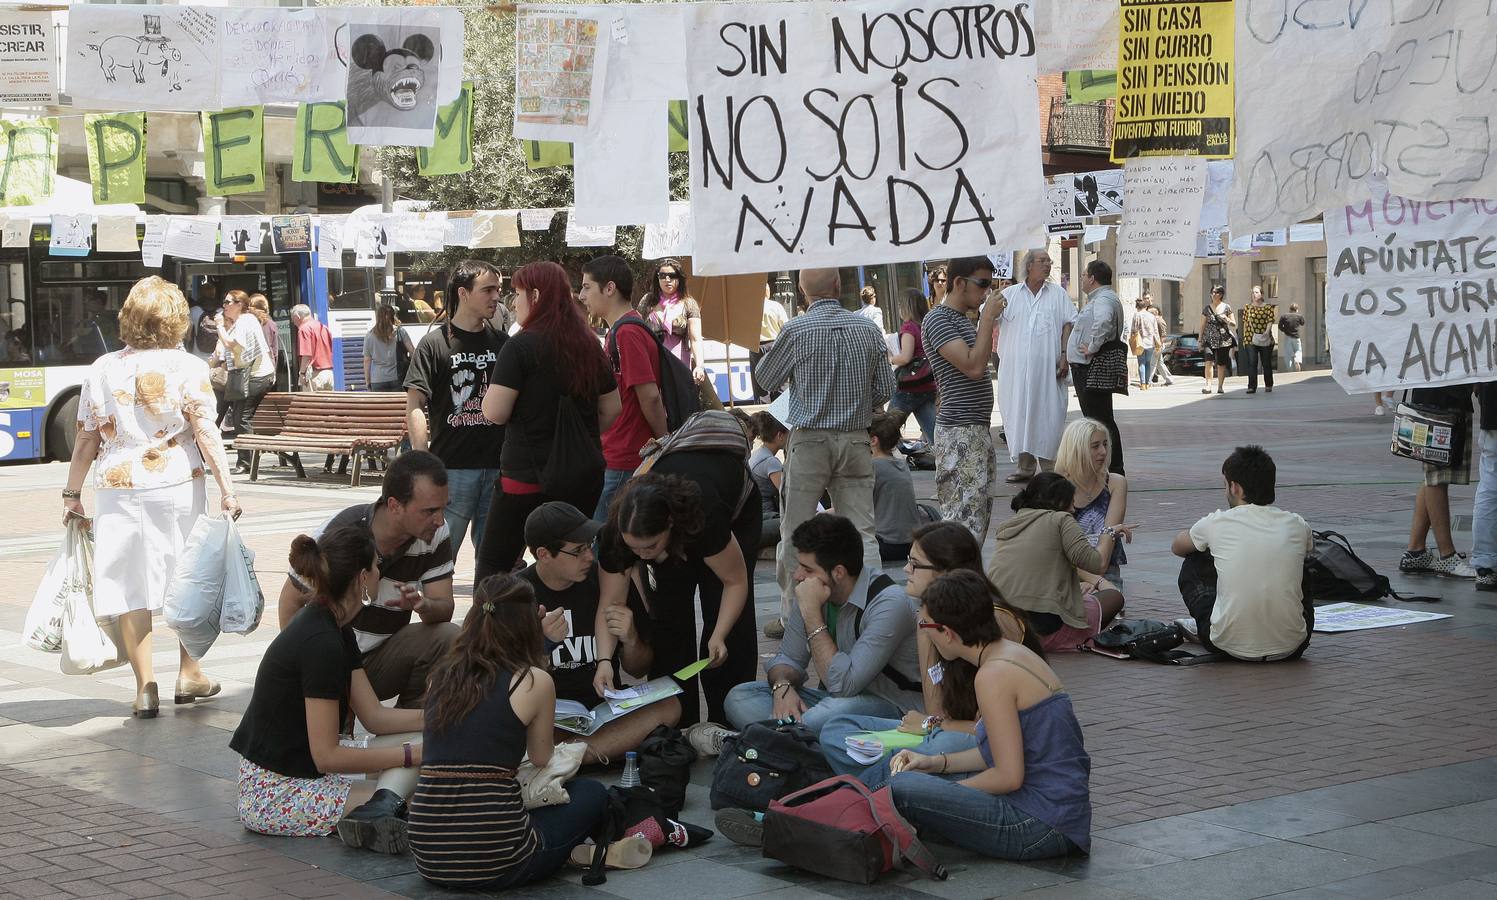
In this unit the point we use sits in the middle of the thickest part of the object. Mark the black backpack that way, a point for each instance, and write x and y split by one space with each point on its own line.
764 762
678 389
205 335
1138 639
1335 574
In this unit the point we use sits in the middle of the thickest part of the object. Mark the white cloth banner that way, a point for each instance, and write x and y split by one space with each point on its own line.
1334 104
1076 34
621 167
153 245
839 132
116 234
270 55
28 59
673 237
1409 291
1158 235
190 237
143 57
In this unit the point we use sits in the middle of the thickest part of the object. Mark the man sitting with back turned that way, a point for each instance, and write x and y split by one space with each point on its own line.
853 624
1243 575
565 578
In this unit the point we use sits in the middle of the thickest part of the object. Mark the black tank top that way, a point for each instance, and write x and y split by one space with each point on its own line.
489 735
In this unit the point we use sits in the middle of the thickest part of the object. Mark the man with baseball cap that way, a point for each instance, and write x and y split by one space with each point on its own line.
565 577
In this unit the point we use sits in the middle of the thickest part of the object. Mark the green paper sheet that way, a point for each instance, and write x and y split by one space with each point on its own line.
28 161
117 156
322 151
452 151
896 739
692 670
234 151
1091 85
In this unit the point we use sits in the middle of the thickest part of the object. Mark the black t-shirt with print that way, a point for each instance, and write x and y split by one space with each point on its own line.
528 366
574 661
453 368
719 476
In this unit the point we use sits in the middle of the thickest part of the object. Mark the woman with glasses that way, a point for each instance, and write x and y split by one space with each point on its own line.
242 339
948 720
1023 791
675 316
554 389
1218 325
935 284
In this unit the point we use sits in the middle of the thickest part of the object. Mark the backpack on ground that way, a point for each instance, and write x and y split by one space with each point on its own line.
1335 574
678 389
665 758
1137 639
712 430
764 762
841 829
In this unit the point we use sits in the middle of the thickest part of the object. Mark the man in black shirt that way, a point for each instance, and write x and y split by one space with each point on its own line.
565 577
1290 324
444 398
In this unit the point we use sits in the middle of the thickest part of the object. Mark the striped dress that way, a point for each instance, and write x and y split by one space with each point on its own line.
468 826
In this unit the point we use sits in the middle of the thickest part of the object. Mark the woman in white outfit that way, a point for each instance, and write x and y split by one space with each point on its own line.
145 416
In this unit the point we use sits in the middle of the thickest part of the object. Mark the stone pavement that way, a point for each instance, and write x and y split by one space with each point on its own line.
1369 769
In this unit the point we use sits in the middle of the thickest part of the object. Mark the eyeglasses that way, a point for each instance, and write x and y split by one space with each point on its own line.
981 284
920 566
671 276
575 554
928 625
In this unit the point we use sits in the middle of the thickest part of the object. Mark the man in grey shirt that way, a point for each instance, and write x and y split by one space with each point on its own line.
1100 321
853 625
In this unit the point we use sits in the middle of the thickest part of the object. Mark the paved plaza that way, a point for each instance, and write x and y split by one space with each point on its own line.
1366 770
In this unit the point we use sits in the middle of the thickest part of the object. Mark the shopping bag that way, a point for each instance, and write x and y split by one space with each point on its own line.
194 602
43 628
88 645
243 601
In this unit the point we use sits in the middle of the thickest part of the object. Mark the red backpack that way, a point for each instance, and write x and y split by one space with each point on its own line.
842 829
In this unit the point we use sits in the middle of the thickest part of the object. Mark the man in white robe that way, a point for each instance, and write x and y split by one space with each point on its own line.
1032 333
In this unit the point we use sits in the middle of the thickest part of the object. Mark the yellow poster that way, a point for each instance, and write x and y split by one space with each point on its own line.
22 388
1175 79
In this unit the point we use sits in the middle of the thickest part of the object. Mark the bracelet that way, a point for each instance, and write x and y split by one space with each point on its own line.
601 659
407 748
943 763
779 687
814 633
69 494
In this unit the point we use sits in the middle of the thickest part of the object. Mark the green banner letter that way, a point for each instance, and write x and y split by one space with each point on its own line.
322 151
28 159
234 150
117 156
452 151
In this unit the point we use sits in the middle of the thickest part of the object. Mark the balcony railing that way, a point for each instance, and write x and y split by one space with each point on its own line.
1080 127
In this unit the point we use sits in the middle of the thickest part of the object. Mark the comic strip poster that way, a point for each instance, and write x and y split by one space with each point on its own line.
560 63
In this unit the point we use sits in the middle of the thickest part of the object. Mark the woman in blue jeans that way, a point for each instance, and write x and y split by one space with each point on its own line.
1023 791
915 390
948 722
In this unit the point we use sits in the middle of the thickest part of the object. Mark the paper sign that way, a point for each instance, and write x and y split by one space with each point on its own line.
16 233
1408 293
1273 238
674 237
153 245
494 229
1219 174
650 64
1060 198
1307 231
786 110
190 237
393 77
589 235
270 55
321 151
1158 236
1175 73
459 230
451 151
151 57
338 26
1209 243
1093 234
240 235
1337 617
330 242
371 239
418 233
116 156
1076 34
28 59
1003 264
291 234
1099 193
116 234
622 167
71 235
234 151
561 59
547 154
692 670
536 219
28 161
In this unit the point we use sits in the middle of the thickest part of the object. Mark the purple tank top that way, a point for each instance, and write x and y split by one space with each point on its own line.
1057 769
1093 517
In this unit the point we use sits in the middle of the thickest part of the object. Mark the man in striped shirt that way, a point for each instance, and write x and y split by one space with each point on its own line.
837 365
415 576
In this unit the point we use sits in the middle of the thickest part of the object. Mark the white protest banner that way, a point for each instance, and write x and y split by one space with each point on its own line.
1060 198
15 233
1158 235
621 168
270 55
241 234
330 242
1399 95
827 132
673 237
153 245
419 233
28 59
1099 193
116 234
370 236
143 57
645 61
536 219
494 229
1076 34
579 235
71 235
561 59
1218 193
1410 291
191 237
402 64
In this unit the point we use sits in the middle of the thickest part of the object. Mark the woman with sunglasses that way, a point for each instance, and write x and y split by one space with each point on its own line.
554 389
243 341
948 720
1023 791
675 316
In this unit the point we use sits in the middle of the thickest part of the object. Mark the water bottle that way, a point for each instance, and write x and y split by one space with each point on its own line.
631 770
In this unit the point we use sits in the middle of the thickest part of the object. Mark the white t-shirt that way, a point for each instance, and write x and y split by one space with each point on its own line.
873 314
1260 563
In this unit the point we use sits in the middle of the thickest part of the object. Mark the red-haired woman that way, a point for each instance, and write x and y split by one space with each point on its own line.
554 389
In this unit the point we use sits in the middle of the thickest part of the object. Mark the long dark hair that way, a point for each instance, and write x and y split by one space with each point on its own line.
649 505
330 564
500 635
652 298
384 322
1047 490
579 359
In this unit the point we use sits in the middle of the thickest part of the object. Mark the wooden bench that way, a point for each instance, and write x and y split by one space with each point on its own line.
333 422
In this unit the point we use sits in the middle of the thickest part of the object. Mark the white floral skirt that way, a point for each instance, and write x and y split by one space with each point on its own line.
138 536
270 803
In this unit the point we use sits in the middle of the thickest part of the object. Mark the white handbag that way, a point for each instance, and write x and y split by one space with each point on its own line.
543 787
88 646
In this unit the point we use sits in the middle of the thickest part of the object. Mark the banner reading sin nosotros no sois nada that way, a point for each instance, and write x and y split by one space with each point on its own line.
826 133
1174 80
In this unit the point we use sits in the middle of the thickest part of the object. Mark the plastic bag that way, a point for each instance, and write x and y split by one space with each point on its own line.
43 628
88 646
194 602
243 601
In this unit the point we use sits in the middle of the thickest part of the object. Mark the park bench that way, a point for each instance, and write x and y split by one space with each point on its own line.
332 422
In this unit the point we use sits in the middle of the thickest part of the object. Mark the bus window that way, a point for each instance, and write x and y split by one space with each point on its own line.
75 324
15 331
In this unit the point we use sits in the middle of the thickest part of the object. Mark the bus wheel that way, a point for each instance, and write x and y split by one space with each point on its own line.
62 429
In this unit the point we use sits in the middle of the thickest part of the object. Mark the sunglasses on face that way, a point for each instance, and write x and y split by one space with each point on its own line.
938 281
981 284
671 276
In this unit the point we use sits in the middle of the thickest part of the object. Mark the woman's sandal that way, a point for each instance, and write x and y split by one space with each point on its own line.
626 853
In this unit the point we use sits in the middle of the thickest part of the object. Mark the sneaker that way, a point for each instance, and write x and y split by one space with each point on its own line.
377 825
1486 579
1416 561
1454 566
706 738
1379 410
741 826
1188 625
774 629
